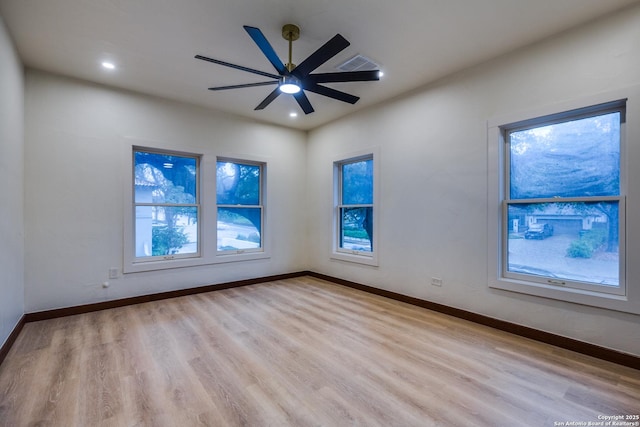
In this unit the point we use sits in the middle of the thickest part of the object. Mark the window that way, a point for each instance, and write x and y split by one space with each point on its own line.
355 224
240 210
166 204
563 216
185 209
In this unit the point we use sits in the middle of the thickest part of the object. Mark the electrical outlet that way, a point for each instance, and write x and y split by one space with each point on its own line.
436 281
113 273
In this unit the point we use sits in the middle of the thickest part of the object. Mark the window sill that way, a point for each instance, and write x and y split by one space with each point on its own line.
239 255
139 267
356 258
572 295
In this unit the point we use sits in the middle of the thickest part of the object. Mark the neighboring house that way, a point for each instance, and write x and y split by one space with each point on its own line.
565 219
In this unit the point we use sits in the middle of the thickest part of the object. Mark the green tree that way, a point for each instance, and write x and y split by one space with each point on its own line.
167 240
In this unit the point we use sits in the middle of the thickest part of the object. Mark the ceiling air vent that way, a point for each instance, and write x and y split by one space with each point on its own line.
358 63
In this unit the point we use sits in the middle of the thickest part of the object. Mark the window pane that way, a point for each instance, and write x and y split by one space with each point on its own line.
356 229
239 228
357 183
163 178
570 159
237 184
164 230
573 241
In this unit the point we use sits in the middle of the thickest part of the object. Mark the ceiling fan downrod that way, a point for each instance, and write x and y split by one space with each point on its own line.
290 32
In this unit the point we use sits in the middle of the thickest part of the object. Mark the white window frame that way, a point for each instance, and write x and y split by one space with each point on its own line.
627 300
261 206
136 204
562 117
207 221
354 256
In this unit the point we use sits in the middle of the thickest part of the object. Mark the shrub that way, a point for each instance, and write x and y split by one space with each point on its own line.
595 237
167 240
252 237
589 242
580 249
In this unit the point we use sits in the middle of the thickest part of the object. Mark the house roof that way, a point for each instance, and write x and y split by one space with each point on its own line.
147 175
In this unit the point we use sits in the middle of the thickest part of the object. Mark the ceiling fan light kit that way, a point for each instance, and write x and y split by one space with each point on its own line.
289 84
296 79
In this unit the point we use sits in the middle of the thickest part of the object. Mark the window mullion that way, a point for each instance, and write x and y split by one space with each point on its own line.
170 205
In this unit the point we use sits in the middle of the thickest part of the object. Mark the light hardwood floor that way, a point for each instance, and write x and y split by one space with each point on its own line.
297 352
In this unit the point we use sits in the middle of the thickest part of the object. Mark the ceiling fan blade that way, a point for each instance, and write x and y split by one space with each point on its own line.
273 95
331 93
244 85
266 48
303 102
237 67
347 76
331 48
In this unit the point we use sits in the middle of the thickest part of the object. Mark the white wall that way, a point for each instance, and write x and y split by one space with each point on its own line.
434 191
78 136
11 186
433 162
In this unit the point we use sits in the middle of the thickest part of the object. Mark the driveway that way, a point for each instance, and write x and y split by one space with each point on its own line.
549 257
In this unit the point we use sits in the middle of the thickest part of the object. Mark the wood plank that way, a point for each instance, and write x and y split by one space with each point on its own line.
297 352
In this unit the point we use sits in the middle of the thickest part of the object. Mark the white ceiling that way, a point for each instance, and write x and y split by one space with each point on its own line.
153 43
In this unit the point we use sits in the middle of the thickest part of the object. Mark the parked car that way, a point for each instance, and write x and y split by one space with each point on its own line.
539 231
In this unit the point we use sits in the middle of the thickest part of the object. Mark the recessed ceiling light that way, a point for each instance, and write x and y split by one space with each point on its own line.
293 114
380 74
108 65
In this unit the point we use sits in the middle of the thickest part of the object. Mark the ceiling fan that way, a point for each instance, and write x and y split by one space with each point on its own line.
295 79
